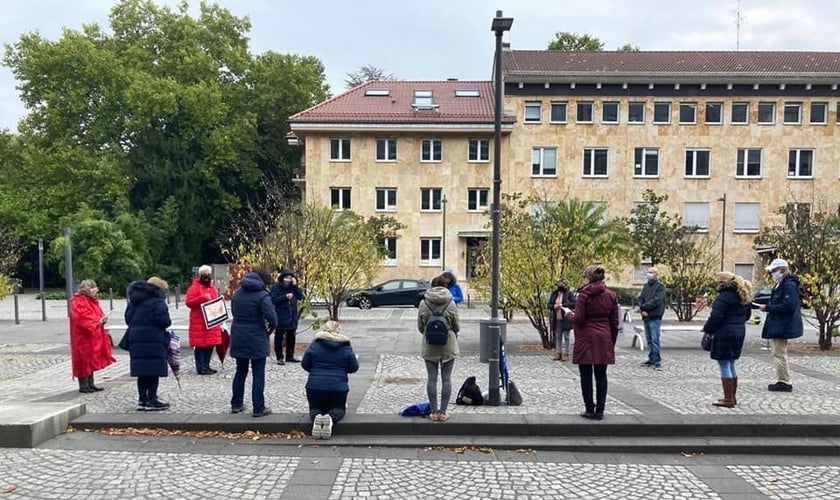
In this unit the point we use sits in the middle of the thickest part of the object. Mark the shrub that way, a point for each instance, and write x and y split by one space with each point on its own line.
626 296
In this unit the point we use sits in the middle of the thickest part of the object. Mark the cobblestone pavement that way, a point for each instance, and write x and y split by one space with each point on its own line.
794 482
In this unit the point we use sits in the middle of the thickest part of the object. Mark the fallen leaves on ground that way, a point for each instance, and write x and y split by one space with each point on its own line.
9 489
538 348
460 450
252 435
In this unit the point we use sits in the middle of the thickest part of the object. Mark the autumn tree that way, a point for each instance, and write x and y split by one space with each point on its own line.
544 240
365 74
810 241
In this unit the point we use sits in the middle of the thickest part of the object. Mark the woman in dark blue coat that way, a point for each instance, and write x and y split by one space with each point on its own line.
730 311
328 360
285 296
253 320
147 317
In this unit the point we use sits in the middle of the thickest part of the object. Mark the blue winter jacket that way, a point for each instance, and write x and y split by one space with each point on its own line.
147 317
784 317
726 323
457 293
328 359
252 312
287 310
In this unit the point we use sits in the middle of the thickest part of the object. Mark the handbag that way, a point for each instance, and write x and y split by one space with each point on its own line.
124 341
706 341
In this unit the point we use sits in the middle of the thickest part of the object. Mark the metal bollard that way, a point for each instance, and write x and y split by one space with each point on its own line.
17 310
177 295
111 297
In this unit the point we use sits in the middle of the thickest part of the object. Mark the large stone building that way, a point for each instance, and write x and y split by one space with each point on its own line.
740 133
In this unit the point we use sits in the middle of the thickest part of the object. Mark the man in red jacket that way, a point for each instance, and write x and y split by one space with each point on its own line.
202 339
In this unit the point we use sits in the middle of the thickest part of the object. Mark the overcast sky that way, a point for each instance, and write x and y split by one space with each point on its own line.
439 39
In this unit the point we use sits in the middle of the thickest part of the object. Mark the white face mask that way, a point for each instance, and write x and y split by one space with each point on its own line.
777 275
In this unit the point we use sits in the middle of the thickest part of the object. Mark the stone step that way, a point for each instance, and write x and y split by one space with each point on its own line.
26 425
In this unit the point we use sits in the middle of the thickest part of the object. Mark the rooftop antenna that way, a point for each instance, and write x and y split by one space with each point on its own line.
739 19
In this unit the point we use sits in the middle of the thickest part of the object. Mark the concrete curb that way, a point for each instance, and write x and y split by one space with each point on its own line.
26 425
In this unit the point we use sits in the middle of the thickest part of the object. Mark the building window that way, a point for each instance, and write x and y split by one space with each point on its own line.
477 199
595 162
386 150
635 112
798 214
430 199
386 199
740 113
479 150
559 111
696 214
430 150
747 217
646 162
662 112
584 112
339 149
388 245
767 113
609 112
533 112
748 163
340 198
837 113
746 271
688 112
801 163
697 162
793 113
423 99
543 162
819 113
714 113
429 251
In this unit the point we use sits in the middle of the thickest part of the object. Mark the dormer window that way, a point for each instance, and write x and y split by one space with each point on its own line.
377 92
423 100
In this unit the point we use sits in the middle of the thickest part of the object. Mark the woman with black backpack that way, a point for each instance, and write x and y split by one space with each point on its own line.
439 351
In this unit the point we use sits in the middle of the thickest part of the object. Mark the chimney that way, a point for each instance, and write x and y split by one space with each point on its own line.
506 46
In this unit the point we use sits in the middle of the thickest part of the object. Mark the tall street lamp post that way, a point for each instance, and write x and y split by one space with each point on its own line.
443 236
499 26
722 199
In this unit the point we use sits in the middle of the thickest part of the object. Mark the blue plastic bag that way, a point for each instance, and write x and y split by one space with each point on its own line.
417 410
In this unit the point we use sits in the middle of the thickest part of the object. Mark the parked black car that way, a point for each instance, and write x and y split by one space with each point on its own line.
762 296
396 292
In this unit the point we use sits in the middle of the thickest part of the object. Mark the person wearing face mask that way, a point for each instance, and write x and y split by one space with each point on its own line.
202 339
651 302
561 299
784 321
285 295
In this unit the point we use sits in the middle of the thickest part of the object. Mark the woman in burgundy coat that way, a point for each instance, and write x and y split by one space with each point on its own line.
595 321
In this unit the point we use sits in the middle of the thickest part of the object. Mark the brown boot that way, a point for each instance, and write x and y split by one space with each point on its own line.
734 390
564 355
558 357
727 401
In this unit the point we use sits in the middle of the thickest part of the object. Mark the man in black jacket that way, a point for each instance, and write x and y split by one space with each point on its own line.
651 302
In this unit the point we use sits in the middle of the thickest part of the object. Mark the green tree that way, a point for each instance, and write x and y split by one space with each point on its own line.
365 74
629 47
810 241
653 229
544 240
567 41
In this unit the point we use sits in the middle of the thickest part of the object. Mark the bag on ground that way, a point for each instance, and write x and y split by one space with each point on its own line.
417 410
514 398
437 326
469 394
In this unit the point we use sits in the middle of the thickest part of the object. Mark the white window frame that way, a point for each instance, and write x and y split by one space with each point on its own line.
798 106
389 243
478 150
390 144
617 106
773 117
474 199
431 199
344 198
565 105
693 153
428 245
639 168
720 107
579 106
795 156
747 218
696 213
824 113
389 198
746 106
747 153
435 151
530 106
661 103
344 143
591 166
630 106
540 153
688 105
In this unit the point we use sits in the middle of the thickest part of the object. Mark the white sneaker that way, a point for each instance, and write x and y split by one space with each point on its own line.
316 426
326 430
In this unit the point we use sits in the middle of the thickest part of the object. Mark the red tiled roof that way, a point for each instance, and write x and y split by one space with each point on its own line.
762 65
353 106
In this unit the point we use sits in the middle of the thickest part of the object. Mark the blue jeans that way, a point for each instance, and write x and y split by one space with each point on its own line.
652 337
257 385
727 368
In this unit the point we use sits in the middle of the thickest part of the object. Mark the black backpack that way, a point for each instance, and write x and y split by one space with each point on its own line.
437 326
469 394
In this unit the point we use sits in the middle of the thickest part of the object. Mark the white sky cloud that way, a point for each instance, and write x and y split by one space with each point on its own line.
438 39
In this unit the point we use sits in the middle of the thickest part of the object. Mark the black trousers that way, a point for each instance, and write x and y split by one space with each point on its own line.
600 372
147 389
333 403
289 337
202 358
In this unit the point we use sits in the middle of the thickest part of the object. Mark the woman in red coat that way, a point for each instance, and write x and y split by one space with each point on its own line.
90 347
595 321
202 339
